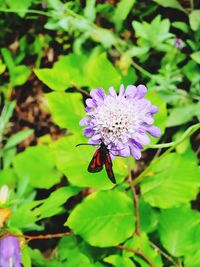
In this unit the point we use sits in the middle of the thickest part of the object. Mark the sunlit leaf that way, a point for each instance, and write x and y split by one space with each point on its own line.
108 214
175 180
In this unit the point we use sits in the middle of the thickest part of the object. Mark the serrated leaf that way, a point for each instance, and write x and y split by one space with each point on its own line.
179 230
67 109
175 180
108 214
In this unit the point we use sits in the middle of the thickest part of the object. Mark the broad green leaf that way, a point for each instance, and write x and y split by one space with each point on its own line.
183 114
65 72
119 261
101 73
8 177
26 260
121 12
175 180
196 56
170 3
73 162
148 217
17 138
37 163
141 243
194 18
66 108
179 230
109 214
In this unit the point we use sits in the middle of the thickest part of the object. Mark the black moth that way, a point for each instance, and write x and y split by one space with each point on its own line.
102 157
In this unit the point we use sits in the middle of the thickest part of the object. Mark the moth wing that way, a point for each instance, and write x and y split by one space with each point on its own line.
96 164
108 165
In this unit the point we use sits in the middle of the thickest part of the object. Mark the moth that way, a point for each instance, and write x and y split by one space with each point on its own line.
100 158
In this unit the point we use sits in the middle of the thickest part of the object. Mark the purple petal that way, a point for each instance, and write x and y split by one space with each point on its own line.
121 90
148 119
154 131
141 91
90 103
153 109
94 142
88 132
98 94
136 153
112 92
84 122
130 91
142 138
124 152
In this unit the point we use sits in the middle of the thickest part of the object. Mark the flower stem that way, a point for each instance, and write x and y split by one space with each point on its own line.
135 200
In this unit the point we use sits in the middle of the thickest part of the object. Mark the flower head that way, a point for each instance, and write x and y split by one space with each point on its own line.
10 252
120 121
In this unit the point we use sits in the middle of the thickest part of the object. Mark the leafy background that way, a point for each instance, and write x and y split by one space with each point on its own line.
52 54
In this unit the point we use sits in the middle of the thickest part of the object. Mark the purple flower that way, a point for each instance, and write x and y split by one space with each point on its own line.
120 121
10 252
178 43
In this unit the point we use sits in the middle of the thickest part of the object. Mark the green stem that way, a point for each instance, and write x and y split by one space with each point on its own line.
33 11
172 145
186 134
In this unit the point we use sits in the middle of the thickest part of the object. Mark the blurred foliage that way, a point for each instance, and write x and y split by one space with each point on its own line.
52 54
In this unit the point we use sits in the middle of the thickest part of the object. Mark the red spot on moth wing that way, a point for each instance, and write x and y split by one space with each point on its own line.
96 163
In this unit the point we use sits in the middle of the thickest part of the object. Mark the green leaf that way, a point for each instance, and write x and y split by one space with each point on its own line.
66 71
141 243
196 56
20 7
90 11
109 214
40 209
170 3
179 230
100 67
181 115
73 162
119 261
181 26
121 12
17 138
174 181
20 75
38 165
67 109
147 223
8 177
194 18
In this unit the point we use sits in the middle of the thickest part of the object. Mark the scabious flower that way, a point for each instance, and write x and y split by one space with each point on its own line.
10 252
120 121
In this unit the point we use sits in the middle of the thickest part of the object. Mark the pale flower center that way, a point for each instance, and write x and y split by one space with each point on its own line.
117 119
